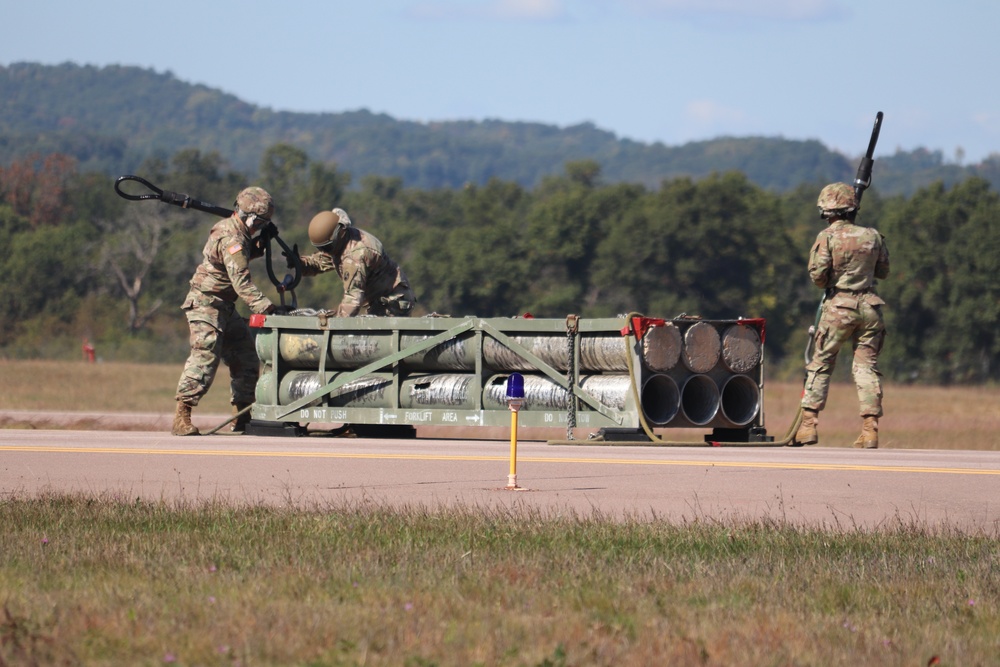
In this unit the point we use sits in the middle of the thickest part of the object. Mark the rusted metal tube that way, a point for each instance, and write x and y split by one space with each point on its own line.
457 354
553 350
435 391
613 391
303 349
741 348
541 393
420 391
369 391
297 384
701 347
661 347
602 353
438 391
293 386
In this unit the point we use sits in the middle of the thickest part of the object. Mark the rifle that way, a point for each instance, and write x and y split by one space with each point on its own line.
864 177
268 232
861 183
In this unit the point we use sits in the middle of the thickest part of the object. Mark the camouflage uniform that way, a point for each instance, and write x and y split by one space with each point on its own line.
218 332
845 261
373 283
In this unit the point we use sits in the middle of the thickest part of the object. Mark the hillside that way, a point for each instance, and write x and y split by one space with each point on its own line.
112 118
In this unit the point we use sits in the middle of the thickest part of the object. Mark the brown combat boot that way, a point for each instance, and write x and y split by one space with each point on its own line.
807 435
869 434
240 423
182 421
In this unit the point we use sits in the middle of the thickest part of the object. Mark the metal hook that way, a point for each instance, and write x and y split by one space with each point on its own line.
184 201
158 193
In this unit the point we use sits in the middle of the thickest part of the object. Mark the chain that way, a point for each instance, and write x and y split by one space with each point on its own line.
572 326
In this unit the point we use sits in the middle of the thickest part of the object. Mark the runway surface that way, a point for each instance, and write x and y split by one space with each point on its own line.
811 486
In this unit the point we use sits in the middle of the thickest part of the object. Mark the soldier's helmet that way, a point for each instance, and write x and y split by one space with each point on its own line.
327 226
836 198
255 201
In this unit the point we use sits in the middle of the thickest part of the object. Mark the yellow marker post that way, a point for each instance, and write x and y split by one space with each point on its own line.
515 399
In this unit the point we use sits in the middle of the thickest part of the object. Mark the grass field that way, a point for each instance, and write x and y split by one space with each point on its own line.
113 582
917 417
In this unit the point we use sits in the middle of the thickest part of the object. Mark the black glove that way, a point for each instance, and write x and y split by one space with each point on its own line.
257 247
268 232
289 257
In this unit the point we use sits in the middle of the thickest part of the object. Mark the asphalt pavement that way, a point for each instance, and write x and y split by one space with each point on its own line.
835 488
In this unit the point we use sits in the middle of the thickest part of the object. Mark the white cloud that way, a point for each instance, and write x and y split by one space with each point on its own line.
988 121
528 9
503 10
702 11
774 10
708 115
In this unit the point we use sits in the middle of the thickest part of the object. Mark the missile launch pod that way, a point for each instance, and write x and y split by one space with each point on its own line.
616 377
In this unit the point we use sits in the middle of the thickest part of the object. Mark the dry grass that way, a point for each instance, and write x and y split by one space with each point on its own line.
104 581
100 387
917 417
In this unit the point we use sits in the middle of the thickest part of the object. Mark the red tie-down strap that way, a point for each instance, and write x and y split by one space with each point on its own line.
756 322
640 325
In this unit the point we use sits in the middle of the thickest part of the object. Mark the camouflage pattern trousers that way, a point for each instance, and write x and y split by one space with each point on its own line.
219 334
839 323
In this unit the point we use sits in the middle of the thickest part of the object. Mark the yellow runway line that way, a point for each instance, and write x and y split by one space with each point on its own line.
523 459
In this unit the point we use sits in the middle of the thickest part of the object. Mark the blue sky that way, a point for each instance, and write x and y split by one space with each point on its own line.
649 70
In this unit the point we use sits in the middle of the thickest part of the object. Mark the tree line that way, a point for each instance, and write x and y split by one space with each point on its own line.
82 263
112 118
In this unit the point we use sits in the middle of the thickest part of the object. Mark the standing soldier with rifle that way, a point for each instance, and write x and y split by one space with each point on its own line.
845 261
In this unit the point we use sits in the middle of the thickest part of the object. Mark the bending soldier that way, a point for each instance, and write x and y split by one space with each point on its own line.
845 261
373 283
218 332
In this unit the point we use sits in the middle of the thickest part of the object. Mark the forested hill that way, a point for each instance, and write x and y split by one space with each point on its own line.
111 119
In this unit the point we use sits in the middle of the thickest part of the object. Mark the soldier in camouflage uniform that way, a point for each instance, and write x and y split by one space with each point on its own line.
845 261
218 332
373 283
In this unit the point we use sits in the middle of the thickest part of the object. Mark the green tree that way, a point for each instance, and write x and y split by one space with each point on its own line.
45 276
203 177
564 229
282 171
300 187
473 259
943 309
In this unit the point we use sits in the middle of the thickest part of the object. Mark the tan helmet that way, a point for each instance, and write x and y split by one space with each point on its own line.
837 197
255 201
327 226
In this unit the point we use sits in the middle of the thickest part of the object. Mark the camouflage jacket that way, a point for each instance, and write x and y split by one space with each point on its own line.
847 257
366 269
224 273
